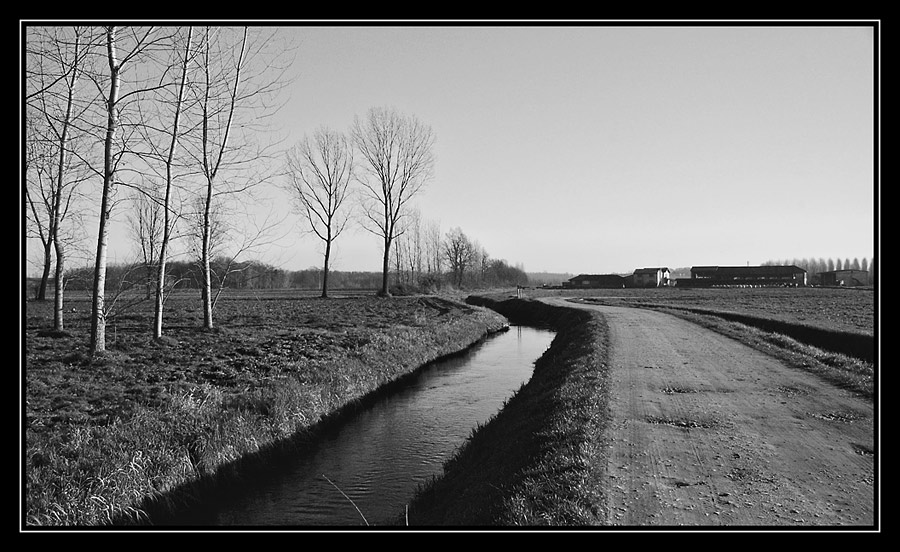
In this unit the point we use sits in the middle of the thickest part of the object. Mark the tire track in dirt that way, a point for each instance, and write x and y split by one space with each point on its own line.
707 431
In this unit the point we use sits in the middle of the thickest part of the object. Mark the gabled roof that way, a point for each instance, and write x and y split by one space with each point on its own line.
650 270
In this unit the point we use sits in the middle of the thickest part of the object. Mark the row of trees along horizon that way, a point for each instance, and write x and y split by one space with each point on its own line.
174 128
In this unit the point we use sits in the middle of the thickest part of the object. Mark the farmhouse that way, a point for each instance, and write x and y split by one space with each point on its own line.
607 281
843 278
651 277
708 276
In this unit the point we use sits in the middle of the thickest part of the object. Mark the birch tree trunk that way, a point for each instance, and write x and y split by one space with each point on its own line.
167 224
60 287
212 163
98 316
60 184
41 293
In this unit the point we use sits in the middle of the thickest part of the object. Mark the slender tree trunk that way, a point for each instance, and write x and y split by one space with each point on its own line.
98 316
160 297
60 288
206 292
211 169
385 268
41 293
163 247
57 208
325 271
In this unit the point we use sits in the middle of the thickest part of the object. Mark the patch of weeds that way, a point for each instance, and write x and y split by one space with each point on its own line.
674 390
54 333
792 391
682 423
741 474
76 358
838 416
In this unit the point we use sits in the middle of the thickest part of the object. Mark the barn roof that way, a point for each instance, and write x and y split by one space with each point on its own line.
769 270
594 277
844 270
650 270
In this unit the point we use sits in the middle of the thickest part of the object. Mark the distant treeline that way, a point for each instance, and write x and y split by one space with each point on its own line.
258 275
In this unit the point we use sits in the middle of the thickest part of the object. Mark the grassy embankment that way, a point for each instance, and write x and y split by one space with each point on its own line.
137 433
537 462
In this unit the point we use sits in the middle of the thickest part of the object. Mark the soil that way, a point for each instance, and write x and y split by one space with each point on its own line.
707 431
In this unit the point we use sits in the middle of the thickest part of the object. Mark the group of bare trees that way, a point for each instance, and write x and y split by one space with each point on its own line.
177 118
169 113
378 168
427 259
384 161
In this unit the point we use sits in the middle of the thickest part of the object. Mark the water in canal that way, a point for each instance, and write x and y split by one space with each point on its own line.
366 471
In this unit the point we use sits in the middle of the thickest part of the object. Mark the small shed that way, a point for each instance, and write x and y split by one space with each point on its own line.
843 278
651 277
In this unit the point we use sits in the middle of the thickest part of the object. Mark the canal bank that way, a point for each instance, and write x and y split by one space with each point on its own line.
156 426
364 470
539 461
401 357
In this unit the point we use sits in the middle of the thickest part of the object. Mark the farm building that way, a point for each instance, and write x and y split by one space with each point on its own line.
651 277
606 281
843 278
708 276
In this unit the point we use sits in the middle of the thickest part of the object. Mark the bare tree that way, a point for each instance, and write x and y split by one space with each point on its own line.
178 108
460 254
484 261
239 76
145 221
162 133
398 162
227 242
53 174
434 256
409 250
319 175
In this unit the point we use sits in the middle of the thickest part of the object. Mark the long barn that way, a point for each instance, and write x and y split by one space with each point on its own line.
708 276
605 281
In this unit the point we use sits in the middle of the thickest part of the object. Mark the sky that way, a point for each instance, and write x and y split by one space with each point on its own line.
602 148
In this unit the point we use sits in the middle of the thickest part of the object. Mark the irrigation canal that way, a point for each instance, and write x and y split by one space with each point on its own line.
365 471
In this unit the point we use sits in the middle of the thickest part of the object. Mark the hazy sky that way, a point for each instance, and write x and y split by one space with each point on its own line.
599 148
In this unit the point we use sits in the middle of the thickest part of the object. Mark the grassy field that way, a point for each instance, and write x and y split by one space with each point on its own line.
151 423
164 419
831 332
839 309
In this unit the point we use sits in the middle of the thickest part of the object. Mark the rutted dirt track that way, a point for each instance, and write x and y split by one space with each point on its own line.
707 431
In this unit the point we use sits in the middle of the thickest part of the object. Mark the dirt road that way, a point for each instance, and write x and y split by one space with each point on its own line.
707 431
